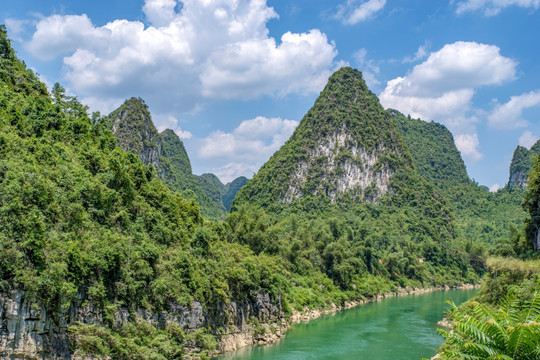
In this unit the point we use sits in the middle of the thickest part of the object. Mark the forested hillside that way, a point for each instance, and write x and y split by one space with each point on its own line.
135 132
484 221
346 171
97 249
86 228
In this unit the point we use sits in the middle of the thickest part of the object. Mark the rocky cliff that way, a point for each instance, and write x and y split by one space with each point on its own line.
345 147
29 331
135 132
521 165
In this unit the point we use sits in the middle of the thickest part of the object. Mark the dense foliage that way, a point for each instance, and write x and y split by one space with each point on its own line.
345 108
433 150
484 221
511 331
407 236
83 220
135 132
531 204
502 322
80 219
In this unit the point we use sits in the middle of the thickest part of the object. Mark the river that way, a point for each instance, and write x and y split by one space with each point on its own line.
395 328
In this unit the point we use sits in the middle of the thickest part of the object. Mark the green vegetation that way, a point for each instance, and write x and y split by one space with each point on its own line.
511 331
433 150
135 132
484 221
82 222
502 322
520 167
407 237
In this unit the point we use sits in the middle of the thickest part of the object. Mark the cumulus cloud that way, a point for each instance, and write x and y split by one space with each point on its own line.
354 11
442 87
170 122
508 115
468 145
493 7
527 139
192 52
247 147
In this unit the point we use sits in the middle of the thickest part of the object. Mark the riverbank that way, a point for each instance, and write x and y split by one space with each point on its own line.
262 334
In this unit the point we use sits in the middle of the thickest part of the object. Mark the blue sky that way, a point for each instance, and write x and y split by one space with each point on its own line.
234 77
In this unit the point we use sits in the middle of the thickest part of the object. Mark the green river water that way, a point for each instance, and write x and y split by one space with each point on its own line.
394 328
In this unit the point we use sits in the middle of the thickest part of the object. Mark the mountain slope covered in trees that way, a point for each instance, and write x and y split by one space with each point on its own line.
95 244
132 125
483 220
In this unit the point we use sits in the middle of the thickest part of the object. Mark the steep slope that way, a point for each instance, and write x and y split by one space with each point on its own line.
346 147
132 125
433 150
481 217
348 200
231 189
93 242
521 165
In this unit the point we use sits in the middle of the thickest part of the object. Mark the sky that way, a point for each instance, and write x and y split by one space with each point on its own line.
233 78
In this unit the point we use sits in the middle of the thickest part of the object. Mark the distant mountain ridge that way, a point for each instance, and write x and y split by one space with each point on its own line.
135 132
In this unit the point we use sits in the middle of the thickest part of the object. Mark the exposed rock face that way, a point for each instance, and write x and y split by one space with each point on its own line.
135 132
346 149
346 165
29 331
133 128
521 165
518 179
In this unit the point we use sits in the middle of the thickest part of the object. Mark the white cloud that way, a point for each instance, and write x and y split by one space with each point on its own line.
442 87
508 115
160 12
354 11
494 188
468 145
247 147
255 67
16 27
231 171
420 54
527 139
493 7
370 70
170 122
193 51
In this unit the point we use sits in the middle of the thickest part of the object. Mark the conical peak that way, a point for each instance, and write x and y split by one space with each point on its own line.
347 75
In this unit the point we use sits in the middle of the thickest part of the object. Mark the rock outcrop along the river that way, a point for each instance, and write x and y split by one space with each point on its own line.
29 331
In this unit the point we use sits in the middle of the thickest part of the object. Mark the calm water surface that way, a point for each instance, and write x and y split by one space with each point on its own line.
395 328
